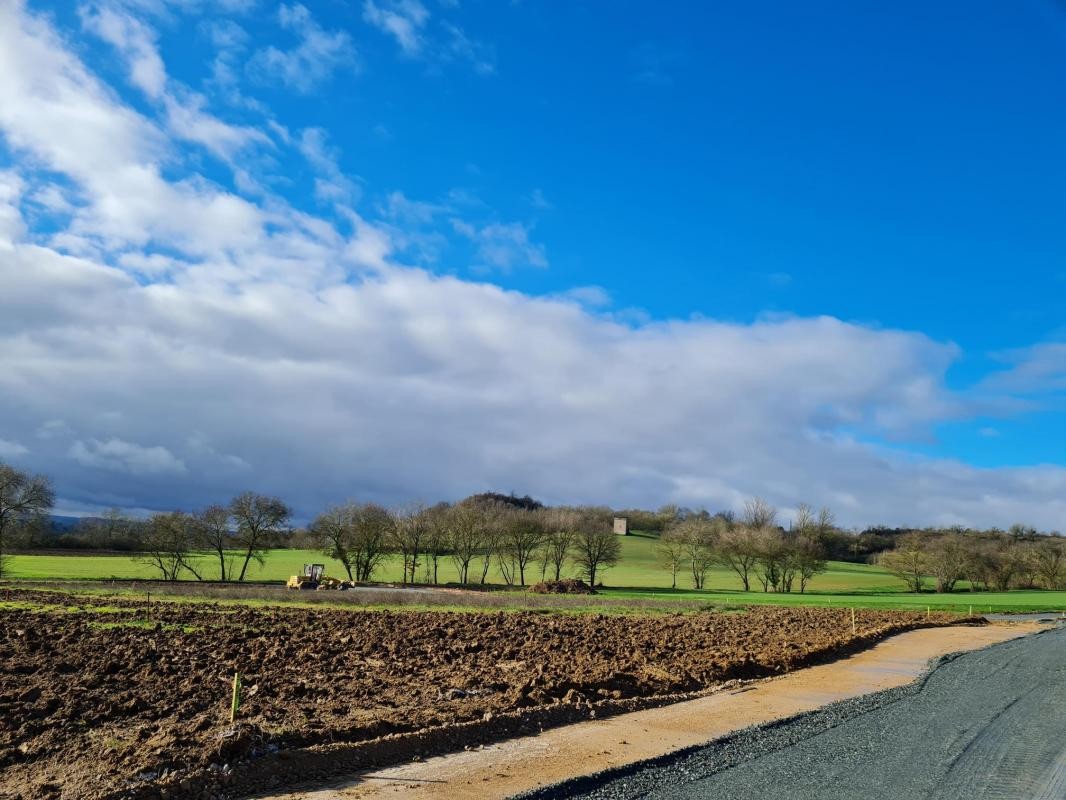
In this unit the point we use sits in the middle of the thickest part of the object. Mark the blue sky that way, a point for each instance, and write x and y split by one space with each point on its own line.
751 176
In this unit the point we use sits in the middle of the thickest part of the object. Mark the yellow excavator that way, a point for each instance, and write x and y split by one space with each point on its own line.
314 577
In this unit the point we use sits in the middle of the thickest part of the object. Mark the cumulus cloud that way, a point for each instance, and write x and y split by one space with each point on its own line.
203 344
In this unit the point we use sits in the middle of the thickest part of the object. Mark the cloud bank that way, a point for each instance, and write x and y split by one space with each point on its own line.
168 341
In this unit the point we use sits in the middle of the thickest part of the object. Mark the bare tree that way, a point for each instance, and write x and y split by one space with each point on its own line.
1004 563
492 532
1050 558
167 544
771 559
357 535
436 544
738 550
259 519
561 529
759 514
334 530
697 536
370 539
909 561
1028 564
808 557
22 496
805 520
521 536
946 561
596 545
213 527
464 524
672 553
410 531
113 530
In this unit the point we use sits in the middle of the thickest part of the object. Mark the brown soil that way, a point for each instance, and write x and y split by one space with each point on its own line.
88 711
519 765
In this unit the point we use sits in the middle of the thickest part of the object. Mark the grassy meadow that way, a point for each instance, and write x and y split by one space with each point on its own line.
638 576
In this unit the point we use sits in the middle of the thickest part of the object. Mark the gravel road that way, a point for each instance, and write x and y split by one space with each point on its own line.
984 725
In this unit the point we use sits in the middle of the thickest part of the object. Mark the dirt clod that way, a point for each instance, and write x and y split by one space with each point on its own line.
146 711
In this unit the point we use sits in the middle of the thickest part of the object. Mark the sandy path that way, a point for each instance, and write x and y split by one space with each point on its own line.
507 768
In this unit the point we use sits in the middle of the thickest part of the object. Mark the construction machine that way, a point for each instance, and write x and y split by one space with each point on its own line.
314 577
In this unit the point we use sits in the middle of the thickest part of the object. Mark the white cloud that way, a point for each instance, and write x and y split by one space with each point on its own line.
9 449
460 46
203 344
401 19
11 225
503 246
135 40
1039 369
117 455
331 185
315 58
591 296
185 113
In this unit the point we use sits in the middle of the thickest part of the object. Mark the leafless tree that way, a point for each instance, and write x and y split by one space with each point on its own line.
168 543
357 535
808 556
436 543
1050 558
260 519
1005 564
410 531
560 525
493 515
738 550
521 536
22 496
370 539
946 561
908 561
112 530
771 559
759 514
596 545
805 521
697 535
214 533
1028 565
671 551
334 530
464 524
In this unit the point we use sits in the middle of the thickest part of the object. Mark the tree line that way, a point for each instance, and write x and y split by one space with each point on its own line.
521 540
1019 558
753 546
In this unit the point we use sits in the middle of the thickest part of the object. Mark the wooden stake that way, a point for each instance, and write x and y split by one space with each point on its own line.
927 612
236 697
853 622
148 606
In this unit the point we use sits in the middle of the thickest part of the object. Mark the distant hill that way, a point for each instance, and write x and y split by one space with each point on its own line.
527 502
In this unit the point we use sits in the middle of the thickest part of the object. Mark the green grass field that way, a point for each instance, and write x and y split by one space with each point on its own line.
638 575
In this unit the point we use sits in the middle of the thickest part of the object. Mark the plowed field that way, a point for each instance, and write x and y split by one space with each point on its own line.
96 701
